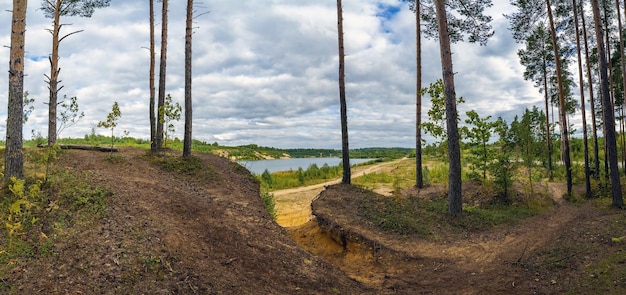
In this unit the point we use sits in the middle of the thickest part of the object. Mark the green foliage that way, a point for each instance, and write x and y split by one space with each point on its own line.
527 136
28 106
19 217
436 126
268 201
312 175
439 173
34 214
502 167
267 177
111 121
68 114
168 113
479 134
43 155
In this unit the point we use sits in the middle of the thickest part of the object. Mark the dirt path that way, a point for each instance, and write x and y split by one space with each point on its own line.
479 261
293 205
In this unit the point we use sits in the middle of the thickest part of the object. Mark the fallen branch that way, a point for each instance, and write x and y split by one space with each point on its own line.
85 147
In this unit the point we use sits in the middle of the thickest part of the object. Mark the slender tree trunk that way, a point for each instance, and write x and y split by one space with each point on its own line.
419 177
455 202
53 79
345 150
14 156
582 101
594 130
188 76
623 138
562 109
609 120
162 76
153 122
610 79
548 133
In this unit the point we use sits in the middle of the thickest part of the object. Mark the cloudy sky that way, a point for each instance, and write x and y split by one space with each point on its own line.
265 72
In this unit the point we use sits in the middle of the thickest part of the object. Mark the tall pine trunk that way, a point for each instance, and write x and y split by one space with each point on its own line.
582 101
592 104
419 177
162 76
153 143
14 156
53 79
188 107
455 202
547 100
623 70
562 107
609 120
345 151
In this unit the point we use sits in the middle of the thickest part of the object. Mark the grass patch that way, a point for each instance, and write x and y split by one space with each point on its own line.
192 166
607 276
115 159
428 218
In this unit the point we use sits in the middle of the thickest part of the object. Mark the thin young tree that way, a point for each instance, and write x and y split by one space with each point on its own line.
56 9
592 103
582 101
419 173
188 107
479 31
535 58
565 153
153 120
162 74
609 120
345 150
13 155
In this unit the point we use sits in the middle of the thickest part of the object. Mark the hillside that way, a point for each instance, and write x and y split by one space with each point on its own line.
163 232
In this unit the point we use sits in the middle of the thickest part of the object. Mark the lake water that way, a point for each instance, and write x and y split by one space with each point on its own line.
257 167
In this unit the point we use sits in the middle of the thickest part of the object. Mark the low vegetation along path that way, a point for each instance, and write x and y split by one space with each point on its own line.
293 205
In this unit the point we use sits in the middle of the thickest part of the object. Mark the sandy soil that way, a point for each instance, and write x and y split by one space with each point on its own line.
293 205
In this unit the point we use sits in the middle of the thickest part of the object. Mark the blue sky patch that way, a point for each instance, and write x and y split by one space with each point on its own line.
387 12
37 58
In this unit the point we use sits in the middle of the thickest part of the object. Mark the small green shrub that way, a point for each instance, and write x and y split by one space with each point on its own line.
269 203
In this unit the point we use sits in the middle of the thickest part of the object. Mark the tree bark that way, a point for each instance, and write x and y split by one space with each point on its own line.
609 120
14 156
546 100
592 107
53 83
419 177
153 122
188 76
345 150
582 102
562 107
623 70
162 76
455 202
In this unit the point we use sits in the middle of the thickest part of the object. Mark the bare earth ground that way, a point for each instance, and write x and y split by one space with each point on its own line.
171 234
504 260
177 234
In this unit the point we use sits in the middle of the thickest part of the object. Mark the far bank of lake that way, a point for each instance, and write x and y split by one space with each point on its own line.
258 166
